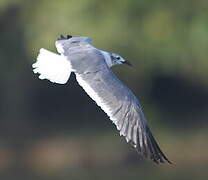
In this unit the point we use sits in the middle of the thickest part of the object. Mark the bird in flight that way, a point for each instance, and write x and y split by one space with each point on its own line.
92 69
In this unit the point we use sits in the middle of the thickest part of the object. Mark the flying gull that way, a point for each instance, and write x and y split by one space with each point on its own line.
92 69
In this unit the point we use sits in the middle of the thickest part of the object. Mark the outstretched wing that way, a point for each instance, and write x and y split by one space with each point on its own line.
124 110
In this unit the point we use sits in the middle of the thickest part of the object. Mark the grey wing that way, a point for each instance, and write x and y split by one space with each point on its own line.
63 45
124 110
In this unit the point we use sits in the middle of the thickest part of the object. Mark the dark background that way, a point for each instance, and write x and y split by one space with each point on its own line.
50 131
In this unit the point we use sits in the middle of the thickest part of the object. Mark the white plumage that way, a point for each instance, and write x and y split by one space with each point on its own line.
107 58
90 91
54 67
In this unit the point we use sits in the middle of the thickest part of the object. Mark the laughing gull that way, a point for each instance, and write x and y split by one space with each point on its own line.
92 69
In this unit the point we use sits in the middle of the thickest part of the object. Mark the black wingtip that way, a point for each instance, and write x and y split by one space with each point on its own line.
157 155
69 36
150 149
64 38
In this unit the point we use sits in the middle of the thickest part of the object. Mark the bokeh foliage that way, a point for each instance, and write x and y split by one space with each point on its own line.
169 36
167 43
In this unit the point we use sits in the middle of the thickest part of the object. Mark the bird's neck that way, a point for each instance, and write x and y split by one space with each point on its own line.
107 58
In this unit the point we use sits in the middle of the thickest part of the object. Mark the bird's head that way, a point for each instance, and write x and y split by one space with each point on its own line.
117 59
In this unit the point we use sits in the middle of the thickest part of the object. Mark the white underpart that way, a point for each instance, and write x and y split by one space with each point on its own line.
107 58
94 95
59 47
54 67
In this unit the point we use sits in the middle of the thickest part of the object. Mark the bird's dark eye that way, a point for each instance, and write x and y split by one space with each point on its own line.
118 58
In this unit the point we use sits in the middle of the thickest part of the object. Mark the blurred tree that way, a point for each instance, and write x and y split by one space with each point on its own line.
163 39
166 41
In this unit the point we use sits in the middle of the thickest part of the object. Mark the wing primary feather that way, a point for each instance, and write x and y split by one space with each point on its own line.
119 122
125 125
140 135
151 149
129 134
157 158
134 134
145 148
126 132
116 112
128 129
157 149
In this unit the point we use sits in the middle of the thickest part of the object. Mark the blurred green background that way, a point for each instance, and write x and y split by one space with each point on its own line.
50 131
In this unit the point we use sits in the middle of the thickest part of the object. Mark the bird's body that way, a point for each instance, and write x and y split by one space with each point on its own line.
92 69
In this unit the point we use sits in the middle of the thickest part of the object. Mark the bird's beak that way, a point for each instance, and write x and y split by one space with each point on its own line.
127 63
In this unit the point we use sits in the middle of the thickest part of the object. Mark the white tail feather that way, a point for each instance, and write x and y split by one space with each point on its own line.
52 66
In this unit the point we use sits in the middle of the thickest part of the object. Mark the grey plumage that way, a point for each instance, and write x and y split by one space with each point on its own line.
93 73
